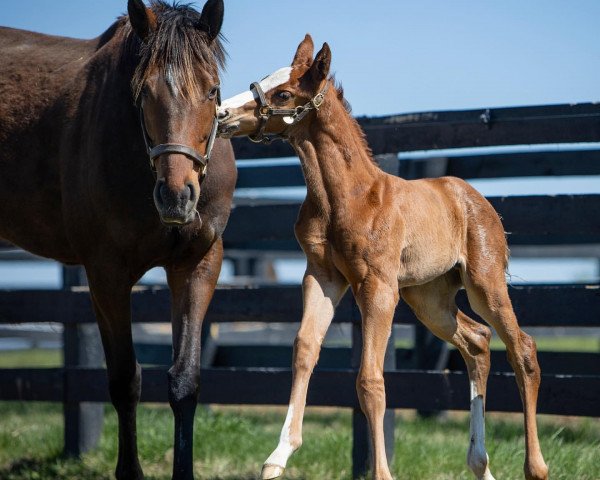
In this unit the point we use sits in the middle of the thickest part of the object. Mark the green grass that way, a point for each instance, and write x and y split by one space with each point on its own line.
35 357
231 443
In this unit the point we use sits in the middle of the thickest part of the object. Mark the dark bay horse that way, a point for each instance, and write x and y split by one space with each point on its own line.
76 184
384 237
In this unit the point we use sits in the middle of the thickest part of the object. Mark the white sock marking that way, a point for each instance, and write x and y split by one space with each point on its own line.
279 77
284 450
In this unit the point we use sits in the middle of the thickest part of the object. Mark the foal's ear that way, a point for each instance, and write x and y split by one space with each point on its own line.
304 53
211 20
142 19
319 70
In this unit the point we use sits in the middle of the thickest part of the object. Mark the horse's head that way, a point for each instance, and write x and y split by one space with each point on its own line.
176 87
276 104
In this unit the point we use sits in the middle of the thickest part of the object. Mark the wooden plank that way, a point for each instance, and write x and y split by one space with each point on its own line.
555 363
466 128
521 164
560 395
568 123
527 219
280 356
535 305
525 164
271 176
31 384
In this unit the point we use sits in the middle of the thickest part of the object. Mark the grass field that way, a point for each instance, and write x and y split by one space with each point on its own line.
231 443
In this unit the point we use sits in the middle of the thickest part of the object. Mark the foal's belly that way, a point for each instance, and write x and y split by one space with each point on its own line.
420 264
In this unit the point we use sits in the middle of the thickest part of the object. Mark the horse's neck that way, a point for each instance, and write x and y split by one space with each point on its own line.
336 162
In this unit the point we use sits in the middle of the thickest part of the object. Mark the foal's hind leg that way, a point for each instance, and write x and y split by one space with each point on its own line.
323 286
434 305
488 296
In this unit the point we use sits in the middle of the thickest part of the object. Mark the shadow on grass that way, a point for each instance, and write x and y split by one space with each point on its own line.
60 468
56 467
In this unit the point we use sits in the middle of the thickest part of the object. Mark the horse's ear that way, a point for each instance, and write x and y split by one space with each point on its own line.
211 19
319 70
304 53
142 19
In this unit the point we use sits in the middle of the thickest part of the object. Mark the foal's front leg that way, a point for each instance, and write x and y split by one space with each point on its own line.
377 301
323 286
192 289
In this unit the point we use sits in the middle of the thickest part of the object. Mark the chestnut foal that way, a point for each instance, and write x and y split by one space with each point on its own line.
384 237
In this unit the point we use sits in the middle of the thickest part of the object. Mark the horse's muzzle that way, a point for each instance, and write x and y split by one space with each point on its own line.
176 207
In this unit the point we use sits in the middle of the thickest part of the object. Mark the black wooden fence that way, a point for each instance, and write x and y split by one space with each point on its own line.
566 225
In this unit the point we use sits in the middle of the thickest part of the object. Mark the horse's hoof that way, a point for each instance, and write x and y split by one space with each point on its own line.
270 471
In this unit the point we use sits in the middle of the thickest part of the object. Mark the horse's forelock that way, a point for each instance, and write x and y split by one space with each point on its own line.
179 45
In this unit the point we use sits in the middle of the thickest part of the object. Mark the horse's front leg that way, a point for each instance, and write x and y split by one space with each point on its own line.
192 289
323 286
110 289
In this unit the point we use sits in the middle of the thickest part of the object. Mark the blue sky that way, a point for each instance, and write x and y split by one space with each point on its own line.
392 56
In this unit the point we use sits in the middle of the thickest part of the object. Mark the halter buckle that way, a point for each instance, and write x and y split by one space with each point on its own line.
318 100
264 110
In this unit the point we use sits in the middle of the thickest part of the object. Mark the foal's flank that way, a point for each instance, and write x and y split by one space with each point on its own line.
385 237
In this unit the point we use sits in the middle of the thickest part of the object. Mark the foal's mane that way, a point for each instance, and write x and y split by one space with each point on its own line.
179 44
359 133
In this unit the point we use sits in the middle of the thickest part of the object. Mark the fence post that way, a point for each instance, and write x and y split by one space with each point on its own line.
81 348
361 439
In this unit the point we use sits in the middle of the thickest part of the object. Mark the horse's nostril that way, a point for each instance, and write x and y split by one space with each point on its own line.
222 114
190 192
164 193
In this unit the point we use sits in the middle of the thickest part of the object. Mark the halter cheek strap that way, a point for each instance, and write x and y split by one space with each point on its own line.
200 160
266 111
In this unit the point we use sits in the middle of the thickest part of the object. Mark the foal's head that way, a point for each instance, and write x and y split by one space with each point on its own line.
176 87
290 94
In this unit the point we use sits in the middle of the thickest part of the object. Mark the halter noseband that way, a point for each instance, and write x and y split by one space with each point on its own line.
266 111
201 160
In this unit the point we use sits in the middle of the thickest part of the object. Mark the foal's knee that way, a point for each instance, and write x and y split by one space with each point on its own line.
370 387
306 353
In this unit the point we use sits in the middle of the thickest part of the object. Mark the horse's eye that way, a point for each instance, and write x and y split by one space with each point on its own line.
213 93
284 95
144 92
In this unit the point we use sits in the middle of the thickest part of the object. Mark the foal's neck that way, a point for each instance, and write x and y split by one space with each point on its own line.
335 158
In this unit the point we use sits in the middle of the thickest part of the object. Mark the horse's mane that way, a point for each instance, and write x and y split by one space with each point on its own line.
358 131
179 44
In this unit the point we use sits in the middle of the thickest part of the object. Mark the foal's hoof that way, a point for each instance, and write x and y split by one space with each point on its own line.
269 471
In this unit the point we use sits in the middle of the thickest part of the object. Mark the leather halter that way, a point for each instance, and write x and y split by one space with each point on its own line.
266 111
200 160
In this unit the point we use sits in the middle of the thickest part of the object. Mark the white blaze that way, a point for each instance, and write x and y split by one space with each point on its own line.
279 77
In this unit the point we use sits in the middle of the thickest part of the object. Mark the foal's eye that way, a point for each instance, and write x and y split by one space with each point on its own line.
213 93
283 95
